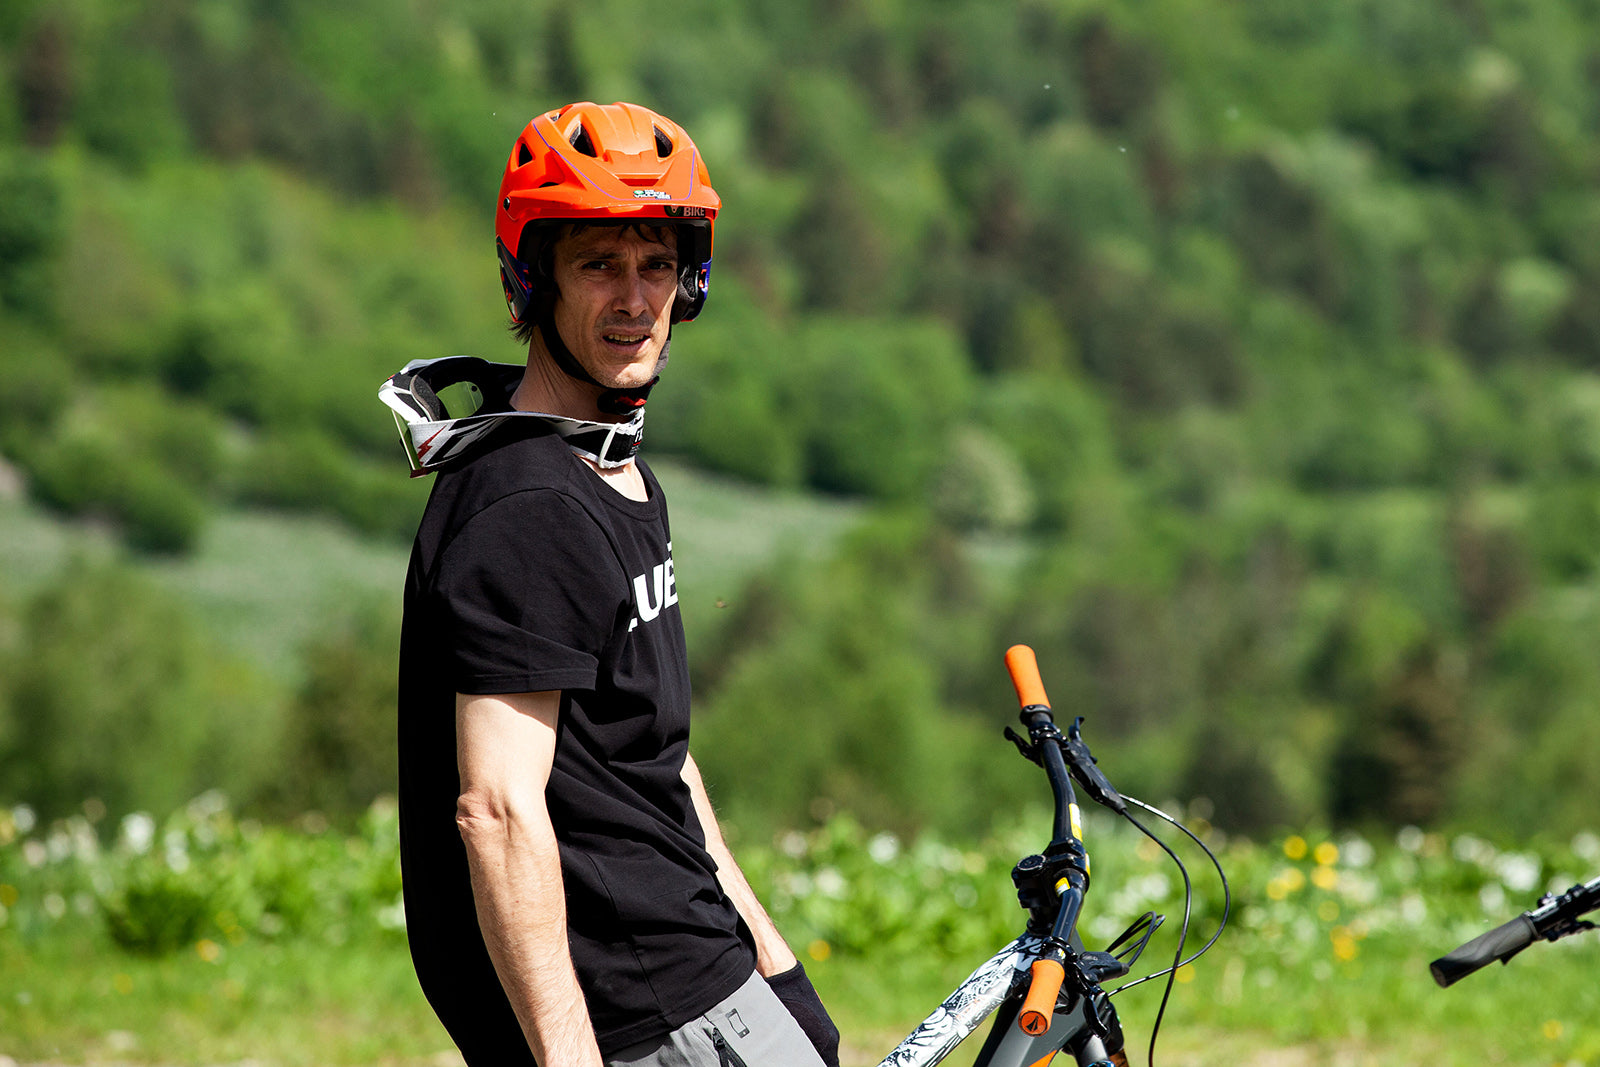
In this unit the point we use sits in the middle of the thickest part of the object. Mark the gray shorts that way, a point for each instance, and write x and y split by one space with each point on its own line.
752 1028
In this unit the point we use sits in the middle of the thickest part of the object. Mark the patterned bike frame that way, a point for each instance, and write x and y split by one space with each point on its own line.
973 1001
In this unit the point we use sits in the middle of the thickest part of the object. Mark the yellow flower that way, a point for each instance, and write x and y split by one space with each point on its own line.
1327 854
1294 846
1185 973
1344 946
819 950
208 950
1553 1029
1325 878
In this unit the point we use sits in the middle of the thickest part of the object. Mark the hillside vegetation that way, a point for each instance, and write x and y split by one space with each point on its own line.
1265 336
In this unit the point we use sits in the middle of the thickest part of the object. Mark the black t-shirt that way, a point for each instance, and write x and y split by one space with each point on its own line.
530 574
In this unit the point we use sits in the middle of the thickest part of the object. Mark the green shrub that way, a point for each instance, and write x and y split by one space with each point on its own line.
110 692
32 225
340 749
876 401
157 910
91 473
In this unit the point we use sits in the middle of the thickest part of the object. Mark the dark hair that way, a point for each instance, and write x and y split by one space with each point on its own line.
537 247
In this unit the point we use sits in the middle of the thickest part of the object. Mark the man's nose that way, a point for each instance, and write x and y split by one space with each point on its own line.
631 297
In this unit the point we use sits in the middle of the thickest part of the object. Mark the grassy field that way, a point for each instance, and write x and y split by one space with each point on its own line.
207 941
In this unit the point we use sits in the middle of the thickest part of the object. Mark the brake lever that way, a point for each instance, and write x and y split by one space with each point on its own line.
1030 751
1089 775
1097 967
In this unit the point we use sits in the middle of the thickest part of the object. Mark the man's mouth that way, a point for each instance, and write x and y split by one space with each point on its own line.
626 340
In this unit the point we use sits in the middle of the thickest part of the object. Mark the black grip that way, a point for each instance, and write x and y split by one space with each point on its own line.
1501 944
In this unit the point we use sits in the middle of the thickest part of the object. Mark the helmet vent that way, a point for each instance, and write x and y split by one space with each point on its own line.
663 144
580 141
524 157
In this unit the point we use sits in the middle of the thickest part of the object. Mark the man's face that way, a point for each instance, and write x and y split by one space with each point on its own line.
614 307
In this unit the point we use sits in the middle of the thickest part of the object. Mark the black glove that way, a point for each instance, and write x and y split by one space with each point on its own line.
800 997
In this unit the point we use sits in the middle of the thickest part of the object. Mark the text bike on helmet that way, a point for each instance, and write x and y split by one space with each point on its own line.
611 164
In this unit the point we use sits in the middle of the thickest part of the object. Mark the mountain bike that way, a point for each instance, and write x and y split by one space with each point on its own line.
1046 991
1557 915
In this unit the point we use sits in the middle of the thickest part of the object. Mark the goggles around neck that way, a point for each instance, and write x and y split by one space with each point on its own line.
445 408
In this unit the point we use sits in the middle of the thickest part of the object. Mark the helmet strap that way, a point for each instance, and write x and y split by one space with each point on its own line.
611 401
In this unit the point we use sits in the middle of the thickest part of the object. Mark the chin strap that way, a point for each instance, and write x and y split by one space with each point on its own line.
611 401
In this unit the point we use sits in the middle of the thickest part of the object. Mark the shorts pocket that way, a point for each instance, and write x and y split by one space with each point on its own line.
726 1057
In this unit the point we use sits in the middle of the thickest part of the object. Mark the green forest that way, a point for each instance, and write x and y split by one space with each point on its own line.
1244 359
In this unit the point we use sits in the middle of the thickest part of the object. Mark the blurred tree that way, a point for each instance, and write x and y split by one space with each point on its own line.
32 226
565 76
1397 757
339 741
126 110
981 486
45 76
835 696
1120 76
111 693
876 400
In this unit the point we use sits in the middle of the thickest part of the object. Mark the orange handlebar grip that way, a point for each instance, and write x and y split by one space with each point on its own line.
1024 669
1034 1018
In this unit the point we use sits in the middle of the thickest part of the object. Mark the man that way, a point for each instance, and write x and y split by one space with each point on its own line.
569 898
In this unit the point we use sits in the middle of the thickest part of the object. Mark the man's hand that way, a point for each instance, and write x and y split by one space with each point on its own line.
773 955
505 747
775 961
794 988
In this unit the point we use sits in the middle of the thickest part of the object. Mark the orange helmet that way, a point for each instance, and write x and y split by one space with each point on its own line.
611 163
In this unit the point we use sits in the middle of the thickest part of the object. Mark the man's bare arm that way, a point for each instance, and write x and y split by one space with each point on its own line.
505 748
773 955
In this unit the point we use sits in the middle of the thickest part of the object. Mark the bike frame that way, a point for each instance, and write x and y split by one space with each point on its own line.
999 982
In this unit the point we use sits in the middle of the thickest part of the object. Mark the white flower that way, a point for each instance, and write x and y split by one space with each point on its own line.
138 832
1356 852
830 883
176 846
1469 848
1518 870
393 917
60 846
884 848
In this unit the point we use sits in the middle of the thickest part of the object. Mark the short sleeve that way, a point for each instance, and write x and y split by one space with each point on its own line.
529 592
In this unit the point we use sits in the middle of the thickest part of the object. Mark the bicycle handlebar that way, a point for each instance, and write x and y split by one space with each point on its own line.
1044 985
1557 915
1501 944
1048 747
1023 666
